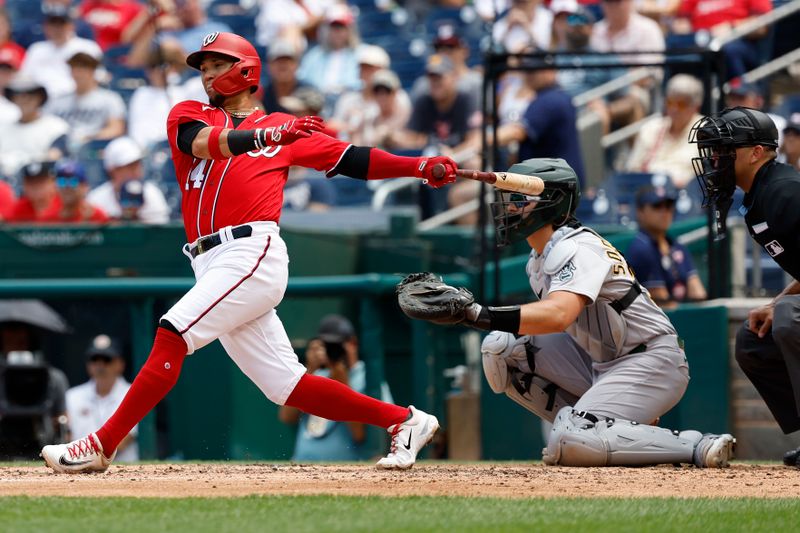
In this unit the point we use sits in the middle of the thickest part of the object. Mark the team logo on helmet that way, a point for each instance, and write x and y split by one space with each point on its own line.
210 38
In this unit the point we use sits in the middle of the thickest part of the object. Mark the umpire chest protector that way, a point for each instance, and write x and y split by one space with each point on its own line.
772 212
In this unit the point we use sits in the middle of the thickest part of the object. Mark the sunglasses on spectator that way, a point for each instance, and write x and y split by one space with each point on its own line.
575 19
105 359
67 183
445 46
381 89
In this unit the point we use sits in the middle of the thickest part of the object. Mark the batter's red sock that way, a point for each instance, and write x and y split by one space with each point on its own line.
330 399
158 375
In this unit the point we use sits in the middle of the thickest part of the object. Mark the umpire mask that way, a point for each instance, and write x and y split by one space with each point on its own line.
717 138
518 215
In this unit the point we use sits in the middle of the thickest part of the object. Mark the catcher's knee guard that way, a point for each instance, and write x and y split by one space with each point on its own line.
538 395
581 439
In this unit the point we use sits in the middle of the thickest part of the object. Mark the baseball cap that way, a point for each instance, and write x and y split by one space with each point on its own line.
386 78
281 48
438 64
11 57
793 124
339 14
741 88
303 99
22 83
369 54
53 11
651 195
447 35
131 194
564 6
120 152
38 168
104 346
69 173
335 328
86 53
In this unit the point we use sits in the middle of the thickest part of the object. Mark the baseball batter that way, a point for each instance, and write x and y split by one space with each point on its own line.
594 356
232 162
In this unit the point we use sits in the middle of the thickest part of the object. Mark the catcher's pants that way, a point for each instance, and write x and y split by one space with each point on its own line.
239 284
639 387
773 363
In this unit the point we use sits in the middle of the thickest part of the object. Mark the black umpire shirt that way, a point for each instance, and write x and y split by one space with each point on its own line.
772 212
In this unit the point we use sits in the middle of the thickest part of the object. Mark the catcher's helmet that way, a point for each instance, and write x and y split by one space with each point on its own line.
518 215
245 74
717 138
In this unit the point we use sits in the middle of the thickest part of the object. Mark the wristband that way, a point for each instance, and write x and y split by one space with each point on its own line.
494 318
243 141
213 143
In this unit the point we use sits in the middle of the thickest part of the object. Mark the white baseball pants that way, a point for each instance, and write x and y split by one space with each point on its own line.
239 284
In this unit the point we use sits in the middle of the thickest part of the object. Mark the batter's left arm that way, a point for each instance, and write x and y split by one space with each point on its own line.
375 164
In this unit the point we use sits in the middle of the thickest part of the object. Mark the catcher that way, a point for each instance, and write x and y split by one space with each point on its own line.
594 355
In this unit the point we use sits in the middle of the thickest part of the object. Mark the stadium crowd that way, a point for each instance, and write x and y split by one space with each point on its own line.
88 84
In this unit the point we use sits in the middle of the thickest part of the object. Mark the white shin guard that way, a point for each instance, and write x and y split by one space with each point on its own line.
538 395
583 440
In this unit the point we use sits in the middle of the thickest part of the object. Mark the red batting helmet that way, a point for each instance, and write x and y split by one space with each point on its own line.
244 74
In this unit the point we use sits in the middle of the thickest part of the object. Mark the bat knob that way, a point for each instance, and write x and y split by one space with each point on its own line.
438 171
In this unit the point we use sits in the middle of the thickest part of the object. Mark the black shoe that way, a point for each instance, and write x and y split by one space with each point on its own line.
790 458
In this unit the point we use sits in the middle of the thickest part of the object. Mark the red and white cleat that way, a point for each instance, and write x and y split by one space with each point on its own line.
408 438
79 456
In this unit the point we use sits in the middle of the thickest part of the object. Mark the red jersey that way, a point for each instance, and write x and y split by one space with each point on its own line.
247 187
7 200
705 14
88 213
109 20
23 210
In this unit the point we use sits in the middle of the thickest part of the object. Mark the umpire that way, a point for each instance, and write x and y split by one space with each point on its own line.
737 148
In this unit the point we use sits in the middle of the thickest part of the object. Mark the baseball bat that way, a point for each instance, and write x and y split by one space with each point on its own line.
507 181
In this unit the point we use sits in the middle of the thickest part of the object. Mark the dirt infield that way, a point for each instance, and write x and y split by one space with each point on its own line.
431 479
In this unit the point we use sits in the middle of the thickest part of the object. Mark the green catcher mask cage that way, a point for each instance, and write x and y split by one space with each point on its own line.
517 215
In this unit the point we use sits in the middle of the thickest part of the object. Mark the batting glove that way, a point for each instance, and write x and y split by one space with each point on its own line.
429 170
289 132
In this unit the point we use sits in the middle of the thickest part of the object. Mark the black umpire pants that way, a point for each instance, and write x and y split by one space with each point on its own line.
773 363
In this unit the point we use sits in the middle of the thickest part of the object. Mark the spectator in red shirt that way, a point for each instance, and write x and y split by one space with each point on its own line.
5 38
72 189
7 200
719 17
39 194
110 20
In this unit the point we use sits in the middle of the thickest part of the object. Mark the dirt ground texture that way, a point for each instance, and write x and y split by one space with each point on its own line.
425 479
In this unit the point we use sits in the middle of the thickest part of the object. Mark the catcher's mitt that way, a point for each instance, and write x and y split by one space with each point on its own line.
426 297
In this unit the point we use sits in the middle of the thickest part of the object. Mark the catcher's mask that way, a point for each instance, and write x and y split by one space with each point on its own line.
517 215
717 138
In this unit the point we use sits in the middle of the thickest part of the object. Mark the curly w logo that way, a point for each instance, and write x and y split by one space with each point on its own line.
210 38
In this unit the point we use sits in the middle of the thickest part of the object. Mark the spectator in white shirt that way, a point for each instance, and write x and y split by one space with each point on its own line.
46 61
36 136
123 161
10 62
89 405
289 20
150 104
355 108
526 23
92 112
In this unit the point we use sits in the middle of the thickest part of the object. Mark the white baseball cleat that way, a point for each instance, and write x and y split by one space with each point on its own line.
714 451
408 438
77 457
